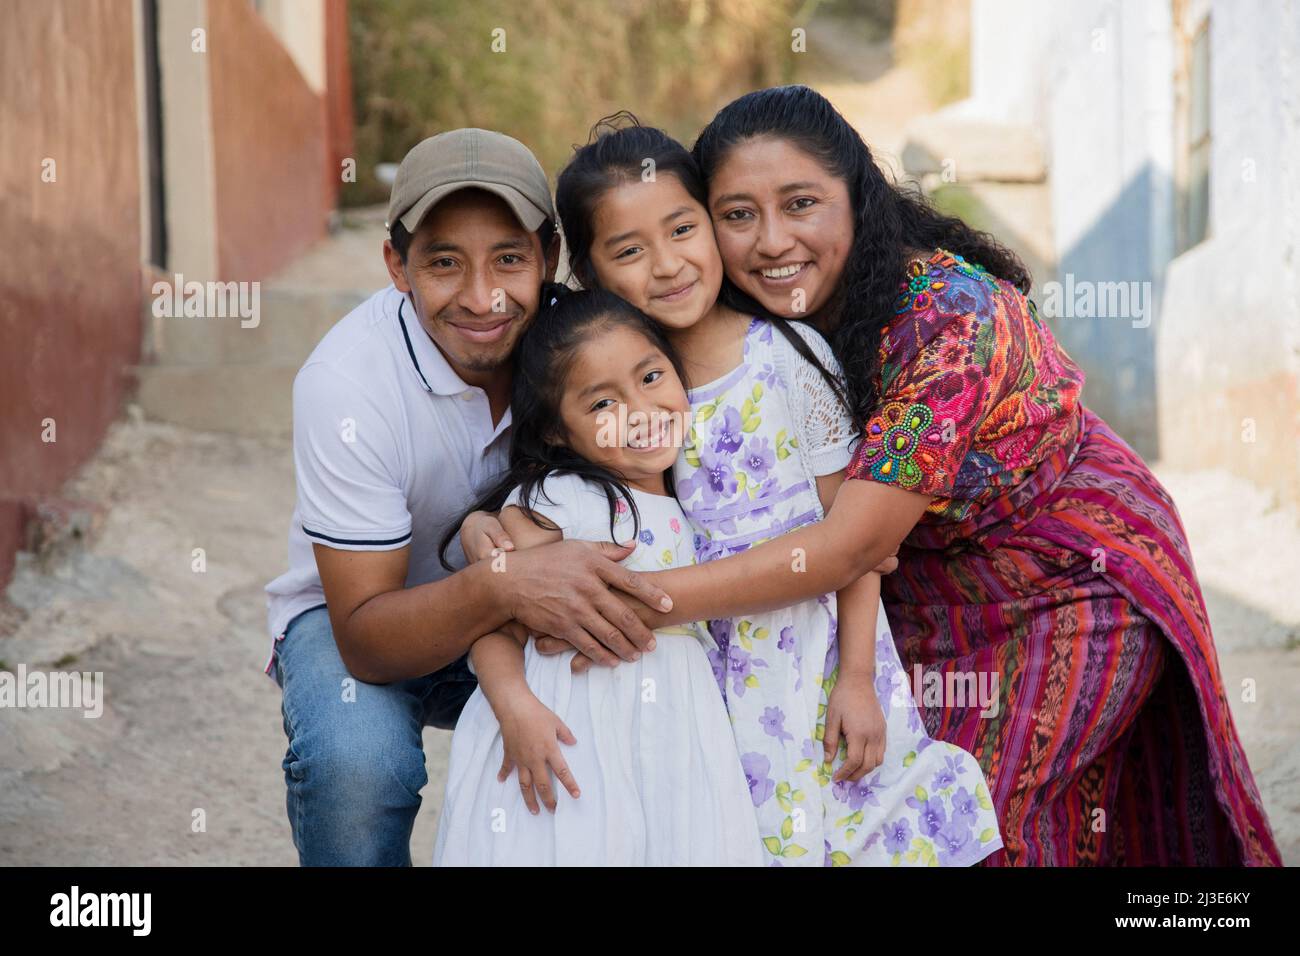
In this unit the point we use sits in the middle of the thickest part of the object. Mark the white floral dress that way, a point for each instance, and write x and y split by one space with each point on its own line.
655 759
761 436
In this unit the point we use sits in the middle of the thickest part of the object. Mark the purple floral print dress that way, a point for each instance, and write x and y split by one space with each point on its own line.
761 436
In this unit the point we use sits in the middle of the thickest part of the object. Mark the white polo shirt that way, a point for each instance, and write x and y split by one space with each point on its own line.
389 448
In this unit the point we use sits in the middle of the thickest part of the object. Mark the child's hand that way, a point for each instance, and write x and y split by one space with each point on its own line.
480 534
854 713
532 734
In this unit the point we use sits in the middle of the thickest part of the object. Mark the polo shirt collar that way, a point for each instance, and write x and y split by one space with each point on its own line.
434 371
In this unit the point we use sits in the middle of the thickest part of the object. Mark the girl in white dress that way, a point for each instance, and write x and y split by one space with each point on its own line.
839 767
645 749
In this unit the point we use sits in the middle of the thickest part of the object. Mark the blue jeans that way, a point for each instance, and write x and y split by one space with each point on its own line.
355 764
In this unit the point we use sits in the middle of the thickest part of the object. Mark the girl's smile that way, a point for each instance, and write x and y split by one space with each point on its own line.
678 294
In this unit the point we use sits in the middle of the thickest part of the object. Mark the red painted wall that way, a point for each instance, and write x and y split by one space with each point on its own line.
70 283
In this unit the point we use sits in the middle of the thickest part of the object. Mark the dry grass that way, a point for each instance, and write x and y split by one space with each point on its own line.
421 67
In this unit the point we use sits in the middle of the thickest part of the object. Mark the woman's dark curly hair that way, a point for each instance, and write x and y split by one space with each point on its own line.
891 222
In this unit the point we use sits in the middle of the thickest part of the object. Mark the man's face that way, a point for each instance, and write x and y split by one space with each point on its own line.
474 274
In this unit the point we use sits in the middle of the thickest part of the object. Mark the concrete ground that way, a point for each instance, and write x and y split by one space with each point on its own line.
191 723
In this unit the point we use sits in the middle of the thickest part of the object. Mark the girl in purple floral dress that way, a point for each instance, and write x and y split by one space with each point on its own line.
839 767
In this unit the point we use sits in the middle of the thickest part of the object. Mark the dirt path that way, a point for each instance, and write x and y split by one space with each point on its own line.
190 722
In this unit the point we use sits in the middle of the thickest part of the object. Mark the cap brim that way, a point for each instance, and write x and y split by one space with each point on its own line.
528 214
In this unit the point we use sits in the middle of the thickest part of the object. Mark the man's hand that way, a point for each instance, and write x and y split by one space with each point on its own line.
563 590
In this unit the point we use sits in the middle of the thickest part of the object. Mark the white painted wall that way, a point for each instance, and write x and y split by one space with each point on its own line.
1223 349
1229 356
188 164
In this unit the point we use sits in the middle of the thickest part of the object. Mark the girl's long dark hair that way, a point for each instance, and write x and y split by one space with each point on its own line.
890 222
542 362
617 151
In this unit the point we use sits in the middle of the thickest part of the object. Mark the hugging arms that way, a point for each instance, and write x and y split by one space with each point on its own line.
862 531
570 590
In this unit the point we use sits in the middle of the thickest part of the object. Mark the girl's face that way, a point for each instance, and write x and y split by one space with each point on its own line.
652 244
623 405
784 225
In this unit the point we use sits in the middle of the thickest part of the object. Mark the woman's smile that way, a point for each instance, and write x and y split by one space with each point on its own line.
784 276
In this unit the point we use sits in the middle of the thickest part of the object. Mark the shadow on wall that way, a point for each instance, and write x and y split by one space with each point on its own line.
1101 300
1101 297
1106 301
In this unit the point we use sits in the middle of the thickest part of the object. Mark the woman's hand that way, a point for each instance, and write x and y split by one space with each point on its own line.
854 713
532 735
481 533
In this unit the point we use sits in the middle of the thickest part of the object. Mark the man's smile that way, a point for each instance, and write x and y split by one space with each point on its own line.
483 332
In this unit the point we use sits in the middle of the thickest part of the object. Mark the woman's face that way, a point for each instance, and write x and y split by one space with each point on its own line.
784 225
652 244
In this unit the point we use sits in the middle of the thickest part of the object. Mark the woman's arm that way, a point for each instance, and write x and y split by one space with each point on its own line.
867 522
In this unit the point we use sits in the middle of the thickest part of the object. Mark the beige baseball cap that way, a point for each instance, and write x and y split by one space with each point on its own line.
470 159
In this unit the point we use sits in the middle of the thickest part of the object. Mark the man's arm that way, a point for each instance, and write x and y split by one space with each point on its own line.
387 632
348 494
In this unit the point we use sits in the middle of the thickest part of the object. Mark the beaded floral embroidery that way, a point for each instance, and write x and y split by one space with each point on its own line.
896 441
971 270
922 282
924 279
975 390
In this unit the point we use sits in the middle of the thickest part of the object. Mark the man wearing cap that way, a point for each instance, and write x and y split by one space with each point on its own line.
399 416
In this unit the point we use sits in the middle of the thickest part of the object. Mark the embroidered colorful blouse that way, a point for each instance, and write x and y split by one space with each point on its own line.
1110 696
975 390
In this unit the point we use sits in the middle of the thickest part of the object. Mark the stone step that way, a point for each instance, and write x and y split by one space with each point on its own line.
235 374
242 399
286 326
964 149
